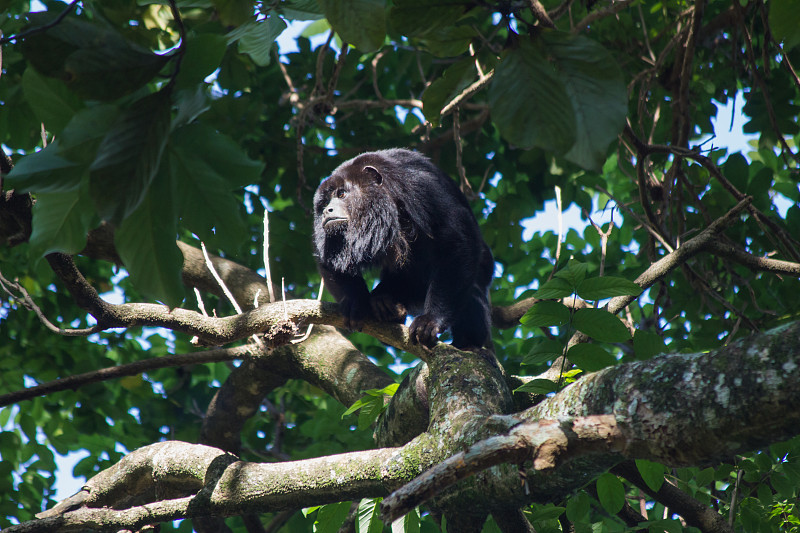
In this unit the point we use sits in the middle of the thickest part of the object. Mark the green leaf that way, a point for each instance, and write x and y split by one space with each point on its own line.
596 90
50 99
410 523
423 19
449 42
358 22
45 171
647 344
221 153
542 351
578 507
129 157
784 22
61 222
652 473
611 493
207 205
529 103
555 288
785 488
145 241
574 273
548 512
257 37
601 325
81 138
300 9
443 89
370 412
369 520
538 386
202 57
545 314
590 357
331 517
607 287
91 58
737 171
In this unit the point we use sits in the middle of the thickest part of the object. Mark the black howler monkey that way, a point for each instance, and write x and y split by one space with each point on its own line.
395 210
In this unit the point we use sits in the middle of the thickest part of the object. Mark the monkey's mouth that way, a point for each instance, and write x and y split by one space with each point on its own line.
334 221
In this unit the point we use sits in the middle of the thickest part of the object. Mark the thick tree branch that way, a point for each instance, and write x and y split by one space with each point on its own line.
547 444
750 392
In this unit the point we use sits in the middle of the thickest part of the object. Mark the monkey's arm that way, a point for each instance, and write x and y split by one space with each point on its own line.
351 293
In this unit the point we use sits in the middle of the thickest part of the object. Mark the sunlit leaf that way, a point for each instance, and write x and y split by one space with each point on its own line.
607 287
545 314
601 325
611 493
590 357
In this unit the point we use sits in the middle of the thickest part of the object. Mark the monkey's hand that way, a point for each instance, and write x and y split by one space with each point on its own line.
425 330
387 309
354 310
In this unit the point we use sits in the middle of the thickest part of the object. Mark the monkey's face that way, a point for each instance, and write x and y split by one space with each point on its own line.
334 216
342 196
355 218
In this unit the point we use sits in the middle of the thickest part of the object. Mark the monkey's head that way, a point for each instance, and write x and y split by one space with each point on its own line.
356 218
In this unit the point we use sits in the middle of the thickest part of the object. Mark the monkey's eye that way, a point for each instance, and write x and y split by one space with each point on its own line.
340 193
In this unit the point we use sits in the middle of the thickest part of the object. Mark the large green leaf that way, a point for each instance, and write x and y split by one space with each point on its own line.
257 37
449 41
330 517
652 473
45 170
607 287
202 57
611 493
129 156
65 162
424 19
784 21
145 241
555 288
221 153
590 357
369 516
529 102
546 314
456 78
61 222
50 99
92 59
358 22
596 90
601 325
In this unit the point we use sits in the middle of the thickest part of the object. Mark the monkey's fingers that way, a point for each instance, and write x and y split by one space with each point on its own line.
425 330
387 309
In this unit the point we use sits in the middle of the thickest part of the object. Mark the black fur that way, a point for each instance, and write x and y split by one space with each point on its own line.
396 211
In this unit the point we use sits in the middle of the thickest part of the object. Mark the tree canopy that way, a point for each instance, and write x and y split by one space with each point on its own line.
161 312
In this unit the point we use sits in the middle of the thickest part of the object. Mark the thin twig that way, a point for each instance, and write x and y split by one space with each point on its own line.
267 270
40 29
130 369
27 302
613 9
466 93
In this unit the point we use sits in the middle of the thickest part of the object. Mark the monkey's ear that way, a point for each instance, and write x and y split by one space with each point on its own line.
372 171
